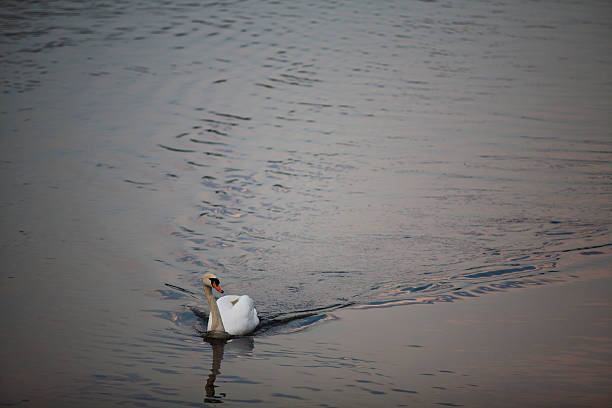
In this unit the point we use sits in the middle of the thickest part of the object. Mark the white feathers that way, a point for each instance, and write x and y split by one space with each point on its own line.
238 314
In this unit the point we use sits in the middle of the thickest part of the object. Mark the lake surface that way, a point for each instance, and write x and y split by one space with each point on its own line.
315 155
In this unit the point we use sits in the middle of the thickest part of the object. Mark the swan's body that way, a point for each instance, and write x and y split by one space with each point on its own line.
229 315
238 314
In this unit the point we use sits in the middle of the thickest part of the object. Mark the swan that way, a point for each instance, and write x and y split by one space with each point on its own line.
229 315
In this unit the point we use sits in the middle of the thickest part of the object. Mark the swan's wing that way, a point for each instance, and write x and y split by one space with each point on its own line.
238 314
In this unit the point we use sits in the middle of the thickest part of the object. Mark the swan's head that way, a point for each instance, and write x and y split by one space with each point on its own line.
211 280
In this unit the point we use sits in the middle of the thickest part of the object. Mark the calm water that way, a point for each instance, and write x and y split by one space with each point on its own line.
314 155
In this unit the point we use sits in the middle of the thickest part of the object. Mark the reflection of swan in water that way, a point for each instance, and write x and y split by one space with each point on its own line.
230 315
241 344
218 346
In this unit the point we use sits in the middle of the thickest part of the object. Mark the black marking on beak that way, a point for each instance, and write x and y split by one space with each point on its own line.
215 284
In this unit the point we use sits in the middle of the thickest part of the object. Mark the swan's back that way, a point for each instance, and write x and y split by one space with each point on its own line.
238 314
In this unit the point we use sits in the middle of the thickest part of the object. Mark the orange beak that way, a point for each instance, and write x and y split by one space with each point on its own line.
216 286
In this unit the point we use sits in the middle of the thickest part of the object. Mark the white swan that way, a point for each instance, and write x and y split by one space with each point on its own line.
233 315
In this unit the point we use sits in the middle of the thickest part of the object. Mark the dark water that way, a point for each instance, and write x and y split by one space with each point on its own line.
313 154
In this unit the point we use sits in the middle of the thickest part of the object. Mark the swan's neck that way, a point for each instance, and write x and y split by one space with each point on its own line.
216 324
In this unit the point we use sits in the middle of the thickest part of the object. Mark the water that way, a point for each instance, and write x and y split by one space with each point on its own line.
312 154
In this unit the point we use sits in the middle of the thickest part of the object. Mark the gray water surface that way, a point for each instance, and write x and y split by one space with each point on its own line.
312 154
